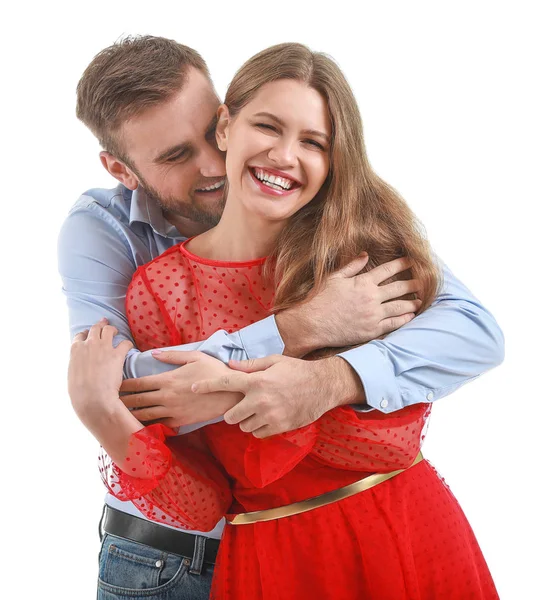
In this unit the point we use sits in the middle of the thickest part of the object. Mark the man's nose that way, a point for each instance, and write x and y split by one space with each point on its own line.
212 161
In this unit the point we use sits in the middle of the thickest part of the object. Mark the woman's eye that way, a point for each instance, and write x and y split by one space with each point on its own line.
315 144
266 126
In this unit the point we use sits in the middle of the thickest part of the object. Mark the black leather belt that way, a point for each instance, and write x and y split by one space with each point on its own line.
162 538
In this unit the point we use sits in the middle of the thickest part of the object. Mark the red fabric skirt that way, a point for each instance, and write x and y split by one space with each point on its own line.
406 538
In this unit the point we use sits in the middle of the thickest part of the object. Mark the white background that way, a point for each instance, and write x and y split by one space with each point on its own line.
457 104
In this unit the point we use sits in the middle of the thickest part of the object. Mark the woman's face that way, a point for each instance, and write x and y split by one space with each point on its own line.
277 149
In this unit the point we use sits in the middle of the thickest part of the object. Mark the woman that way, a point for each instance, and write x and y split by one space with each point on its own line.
302 201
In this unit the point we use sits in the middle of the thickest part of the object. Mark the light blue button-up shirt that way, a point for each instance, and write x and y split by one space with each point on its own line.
109 233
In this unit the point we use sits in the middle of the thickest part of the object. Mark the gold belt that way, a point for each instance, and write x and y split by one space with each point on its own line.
328 498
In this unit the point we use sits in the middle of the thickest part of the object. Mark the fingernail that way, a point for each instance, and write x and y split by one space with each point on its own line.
194 387
156 352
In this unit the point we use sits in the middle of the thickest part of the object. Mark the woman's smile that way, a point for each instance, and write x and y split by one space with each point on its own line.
272 182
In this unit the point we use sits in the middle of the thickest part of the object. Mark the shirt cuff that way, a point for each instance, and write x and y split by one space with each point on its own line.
262 338
377 376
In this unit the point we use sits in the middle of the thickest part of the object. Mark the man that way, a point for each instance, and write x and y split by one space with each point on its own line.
151 104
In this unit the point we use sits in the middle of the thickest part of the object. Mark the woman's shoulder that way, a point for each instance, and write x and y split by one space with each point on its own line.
169 260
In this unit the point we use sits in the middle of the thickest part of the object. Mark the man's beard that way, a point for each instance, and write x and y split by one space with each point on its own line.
188 209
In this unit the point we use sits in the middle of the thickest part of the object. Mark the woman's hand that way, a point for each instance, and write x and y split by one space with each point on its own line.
94 379
96 369
167 398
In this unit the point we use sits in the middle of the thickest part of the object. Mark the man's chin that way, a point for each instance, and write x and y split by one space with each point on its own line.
204 208
209 197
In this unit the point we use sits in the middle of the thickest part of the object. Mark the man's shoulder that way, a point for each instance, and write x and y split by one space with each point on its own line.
97 222
115 203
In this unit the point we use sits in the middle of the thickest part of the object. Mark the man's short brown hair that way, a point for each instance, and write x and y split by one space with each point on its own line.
125 79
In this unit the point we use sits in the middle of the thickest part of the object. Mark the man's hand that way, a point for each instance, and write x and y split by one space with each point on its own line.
282 393
167 398
350 309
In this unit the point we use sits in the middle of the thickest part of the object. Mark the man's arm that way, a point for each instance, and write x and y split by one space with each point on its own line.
454 341
96 263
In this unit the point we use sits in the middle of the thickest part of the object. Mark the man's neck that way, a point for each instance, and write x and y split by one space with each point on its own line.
186 227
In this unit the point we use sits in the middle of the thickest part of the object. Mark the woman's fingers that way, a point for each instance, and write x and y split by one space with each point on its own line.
178 357
231 382
108 332
124 347
81 336
96 330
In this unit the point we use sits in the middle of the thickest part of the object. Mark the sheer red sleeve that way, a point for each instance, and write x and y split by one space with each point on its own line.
269 459
371 441
170 479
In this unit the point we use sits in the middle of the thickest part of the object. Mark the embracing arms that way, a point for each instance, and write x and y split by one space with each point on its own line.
452 342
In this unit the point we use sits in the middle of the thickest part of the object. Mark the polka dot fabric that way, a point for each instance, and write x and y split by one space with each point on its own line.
407 538
179 298
164 473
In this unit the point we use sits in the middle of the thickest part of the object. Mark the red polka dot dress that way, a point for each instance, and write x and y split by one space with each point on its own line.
406 538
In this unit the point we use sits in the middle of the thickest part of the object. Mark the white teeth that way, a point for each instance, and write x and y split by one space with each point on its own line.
273 181
273 185
215 186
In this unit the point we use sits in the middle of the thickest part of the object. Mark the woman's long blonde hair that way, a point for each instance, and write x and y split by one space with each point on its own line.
355 210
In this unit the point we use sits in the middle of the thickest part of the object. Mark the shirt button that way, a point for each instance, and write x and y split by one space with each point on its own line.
384 403
430 396
159 563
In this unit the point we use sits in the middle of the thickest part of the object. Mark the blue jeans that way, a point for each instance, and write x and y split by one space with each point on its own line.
131 570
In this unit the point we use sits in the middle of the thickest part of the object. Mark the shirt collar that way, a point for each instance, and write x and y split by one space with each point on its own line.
145 209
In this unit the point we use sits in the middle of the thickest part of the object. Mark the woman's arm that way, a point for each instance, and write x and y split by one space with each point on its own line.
376 442
165 477
94 378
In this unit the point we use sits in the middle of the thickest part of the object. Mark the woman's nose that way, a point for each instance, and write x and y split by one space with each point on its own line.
283 154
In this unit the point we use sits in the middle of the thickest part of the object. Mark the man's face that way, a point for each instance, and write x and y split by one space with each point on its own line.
174 155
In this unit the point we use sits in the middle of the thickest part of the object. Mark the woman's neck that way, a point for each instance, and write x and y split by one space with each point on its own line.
239 236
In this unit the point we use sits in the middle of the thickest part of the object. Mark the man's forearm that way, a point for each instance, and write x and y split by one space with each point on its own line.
348 387
296 336
454 341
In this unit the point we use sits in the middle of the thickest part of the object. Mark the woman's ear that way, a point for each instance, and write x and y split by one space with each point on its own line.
222 127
